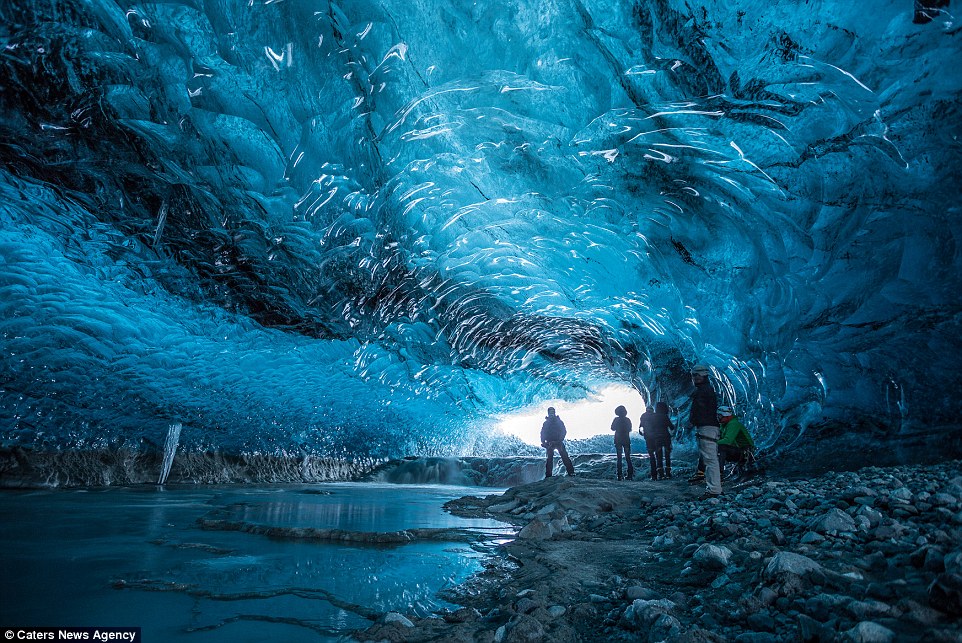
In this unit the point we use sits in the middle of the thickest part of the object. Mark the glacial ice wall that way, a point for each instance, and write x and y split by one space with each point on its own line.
369 227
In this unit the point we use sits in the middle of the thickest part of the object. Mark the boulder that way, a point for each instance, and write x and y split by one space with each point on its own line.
503 507
944 500
786 562
833 522
666 627
874 515
901 495
521 629
869 632
646 613
945 593
536 530
662 542
710 556
560 525
856 492
867 609
953 562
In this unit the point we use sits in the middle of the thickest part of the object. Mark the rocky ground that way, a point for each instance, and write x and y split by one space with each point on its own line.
872 555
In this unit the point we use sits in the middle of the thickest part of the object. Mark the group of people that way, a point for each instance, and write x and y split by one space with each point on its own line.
721 437
657 429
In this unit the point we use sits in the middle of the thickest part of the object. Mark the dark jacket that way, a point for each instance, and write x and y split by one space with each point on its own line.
704 406
656 427
622 428
553 429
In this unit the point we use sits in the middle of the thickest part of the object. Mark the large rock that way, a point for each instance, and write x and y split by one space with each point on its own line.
945 594
789 574
901 495
523 628
786 562
858 492
944 500
867 609
527 605
953 562
646 613
504 507
869 632
536 530
710 556
560 525
833 522
662 542
874 516
666 627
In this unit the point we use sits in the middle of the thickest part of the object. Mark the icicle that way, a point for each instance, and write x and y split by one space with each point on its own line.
161 220
170 447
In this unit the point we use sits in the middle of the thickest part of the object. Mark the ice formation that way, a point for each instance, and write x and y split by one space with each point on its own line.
371 227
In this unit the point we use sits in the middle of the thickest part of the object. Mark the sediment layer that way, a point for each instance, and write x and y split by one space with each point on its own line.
22 468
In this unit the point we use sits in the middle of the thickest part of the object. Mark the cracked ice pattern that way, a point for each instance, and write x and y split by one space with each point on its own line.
367 227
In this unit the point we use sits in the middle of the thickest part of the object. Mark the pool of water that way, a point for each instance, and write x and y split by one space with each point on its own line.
231 563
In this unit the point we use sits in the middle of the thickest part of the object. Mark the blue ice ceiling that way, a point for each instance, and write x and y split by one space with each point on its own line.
368 227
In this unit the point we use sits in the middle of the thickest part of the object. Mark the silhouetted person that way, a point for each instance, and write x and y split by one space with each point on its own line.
553 434
621 425
703 418
656 426
735 441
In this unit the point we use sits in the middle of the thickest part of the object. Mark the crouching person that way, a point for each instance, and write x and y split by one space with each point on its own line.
735 442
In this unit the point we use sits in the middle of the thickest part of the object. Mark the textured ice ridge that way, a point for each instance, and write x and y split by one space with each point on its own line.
365 229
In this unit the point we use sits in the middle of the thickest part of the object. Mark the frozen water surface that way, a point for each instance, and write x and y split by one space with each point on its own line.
140 557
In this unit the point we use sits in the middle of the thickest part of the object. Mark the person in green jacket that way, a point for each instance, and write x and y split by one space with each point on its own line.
734 441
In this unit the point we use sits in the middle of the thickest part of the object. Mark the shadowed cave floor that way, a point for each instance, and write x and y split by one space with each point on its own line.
867 555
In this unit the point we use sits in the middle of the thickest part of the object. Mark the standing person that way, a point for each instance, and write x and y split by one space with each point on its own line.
657 427
553 434
621 425
735 440
703 418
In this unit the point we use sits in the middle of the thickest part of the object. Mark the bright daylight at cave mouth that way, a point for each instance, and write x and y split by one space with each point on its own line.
582 419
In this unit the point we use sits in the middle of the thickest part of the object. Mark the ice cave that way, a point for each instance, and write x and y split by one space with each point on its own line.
315 236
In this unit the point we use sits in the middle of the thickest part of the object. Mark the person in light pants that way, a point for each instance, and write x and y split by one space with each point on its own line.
703 417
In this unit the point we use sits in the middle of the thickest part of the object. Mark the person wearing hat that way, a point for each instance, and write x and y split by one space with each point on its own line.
735 440
703 417
553 433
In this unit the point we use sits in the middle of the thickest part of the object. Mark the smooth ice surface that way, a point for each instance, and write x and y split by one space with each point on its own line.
374 227
138 557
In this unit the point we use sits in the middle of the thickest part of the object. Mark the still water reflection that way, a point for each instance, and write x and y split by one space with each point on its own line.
139 557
